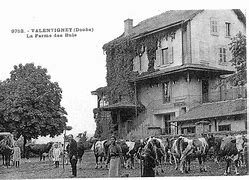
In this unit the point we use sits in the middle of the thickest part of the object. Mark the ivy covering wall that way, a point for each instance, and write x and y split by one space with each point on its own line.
119 62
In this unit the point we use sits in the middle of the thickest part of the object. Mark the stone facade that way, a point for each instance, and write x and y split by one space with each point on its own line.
200 44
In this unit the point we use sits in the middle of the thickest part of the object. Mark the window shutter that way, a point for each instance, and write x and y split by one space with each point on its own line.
211 25
216 51
171 55
158 57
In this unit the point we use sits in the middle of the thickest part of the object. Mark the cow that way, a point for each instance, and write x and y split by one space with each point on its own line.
230 148
38 149
6 147
125 149
160 152
186 149
180 150
134 148
100 149
168 143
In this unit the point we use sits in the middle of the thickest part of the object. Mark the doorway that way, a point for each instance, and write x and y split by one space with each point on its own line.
204 88
166 118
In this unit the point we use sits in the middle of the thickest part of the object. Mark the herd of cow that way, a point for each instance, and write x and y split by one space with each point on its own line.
181 150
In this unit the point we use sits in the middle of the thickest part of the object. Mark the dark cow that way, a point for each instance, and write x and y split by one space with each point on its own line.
38 149
6 149
231 148
125 149
160 152
149 159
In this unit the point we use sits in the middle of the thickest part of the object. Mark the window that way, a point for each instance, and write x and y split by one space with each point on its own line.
167 56
214 26
225 127
167 124
140 63
222 54
228 29
188 130
183 110
166 92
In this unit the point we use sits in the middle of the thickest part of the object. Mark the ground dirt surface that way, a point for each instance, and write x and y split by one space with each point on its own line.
34 169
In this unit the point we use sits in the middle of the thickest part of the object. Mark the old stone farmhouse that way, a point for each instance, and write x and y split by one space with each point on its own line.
178 60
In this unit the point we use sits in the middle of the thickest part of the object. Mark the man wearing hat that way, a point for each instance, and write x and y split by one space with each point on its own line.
114 155
72 154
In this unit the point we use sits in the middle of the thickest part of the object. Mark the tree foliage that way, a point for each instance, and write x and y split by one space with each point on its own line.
238 49
31 103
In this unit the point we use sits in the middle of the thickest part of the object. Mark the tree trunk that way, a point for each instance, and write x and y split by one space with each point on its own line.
24 144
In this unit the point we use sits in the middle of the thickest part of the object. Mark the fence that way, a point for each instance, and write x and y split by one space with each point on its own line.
216 134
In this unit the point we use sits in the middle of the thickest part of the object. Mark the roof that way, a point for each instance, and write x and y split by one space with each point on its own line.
181 68
214 109
163 20
100 90
166 20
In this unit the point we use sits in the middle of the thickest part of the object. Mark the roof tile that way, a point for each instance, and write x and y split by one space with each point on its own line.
214 109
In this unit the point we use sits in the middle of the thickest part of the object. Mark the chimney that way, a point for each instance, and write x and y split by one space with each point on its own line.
128 25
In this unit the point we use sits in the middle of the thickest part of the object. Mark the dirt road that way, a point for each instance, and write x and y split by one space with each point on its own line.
45 169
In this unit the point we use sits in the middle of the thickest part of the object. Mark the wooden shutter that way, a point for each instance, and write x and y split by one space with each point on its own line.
158 58
171 55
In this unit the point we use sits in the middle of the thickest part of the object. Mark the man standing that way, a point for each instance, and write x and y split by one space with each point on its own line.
149 162
73 157
114 155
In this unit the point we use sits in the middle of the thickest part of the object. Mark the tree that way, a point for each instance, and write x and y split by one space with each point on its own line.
31 103
238 49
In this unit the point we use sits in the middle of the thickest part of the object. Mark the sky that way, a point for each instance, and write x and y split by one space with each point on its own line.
76 63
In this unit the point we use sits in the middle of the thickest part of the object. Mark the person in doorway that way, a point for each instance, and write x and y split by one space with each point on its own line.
16 155
72 154
56 155
114 156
